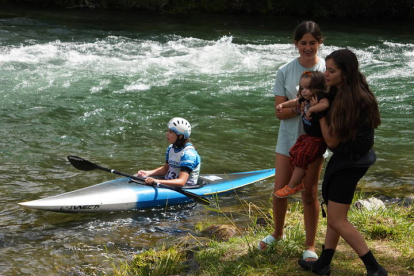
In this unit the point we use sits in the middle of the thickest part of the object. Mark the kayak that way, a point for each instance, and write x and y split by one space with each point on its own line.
124 194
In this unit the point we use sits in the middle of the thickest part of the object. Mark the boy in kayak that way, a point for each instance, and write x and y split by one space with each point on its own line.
311 145
182 162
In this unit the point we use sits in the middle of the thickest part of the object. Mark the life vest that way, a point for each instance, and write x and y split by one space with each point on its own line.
175 163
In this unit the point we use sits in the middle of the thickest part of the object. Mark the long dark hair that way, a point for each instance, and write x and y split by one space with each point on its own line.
354 101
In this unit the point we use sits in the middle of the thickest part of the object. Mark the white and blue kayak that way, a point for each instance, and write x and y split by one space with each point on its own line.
125 194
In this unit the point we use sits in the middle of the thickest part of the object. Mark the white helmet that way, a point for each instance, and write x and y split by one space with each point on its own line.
180 126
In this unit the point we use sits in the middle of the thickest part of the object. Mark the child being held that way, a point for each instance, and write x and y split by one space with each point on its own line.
312 98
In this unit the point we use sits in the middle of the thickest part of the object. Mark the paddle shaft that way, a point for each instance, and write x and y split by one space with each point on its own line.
120 173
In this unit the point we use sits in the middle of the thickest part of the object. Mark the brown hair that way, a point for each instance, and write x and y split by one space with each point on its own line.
307 27
316 84
352 99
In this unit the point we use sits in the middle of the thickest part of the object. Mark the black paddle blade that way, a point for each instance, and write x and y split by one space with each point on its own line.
199 199
80 163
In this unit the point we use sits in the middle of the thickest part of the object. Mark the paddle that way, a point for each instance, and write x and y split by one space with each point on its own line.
85 165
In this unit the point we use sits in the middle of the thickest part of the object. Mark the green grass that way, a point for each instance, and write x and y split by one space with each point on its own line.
389 233
164 261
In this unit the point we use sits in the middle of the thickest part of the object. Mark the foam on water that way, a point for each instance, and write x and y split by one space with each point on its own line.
145 63
59 63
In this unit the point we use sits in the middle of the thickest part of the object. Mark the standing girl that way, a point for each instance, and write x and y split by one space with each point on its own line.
182 162
348 130
307 39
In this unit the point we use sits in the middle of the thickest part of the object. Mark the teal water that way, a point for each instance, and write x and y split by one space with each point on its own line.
103 86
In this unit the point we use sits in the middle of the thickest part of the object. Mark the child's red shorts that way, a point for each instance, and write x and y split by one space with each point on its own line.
306 150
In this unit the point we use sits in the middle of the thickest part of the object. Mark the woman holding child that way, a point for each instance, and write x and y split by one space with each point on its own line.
348 130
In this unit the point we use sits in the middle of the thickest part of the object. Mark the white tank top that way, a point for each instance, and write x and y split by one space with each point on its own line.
174 163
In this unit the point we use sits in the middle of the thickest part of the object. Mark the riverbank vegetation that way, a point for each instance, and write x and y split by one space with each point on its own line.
356 9
389 232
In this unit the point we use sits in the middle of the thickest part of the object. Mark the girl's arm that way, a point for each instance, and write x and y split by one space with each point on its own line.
332 140
285 109
158 171
178 182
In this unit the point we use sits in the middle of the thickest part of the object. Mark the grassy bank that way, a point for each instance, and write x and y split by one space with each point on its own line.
389 233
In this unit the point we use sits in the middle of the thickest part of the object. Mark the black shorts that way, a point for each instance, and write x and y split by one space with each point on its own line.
342 184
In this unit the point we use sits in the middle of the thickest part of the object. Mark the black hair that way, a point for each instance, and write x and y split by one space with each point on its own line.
181 141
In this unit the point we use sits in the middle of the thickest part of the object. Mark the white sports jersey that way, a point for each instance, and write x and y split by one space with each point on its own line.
184 157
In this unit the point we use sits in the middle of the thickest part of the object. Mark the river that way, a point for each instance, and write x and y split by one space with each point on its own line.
103 85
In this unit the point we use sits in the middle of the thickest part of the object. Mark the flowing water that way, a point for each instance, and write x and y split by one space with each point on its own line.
103 86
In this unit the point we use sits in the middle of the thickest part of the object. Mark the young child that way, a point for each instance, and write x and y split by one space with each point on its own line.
182 162
309 146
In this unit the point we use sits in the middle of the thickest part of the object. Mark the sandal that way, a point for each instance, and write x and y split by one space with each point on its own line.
309 254
287 191
268 240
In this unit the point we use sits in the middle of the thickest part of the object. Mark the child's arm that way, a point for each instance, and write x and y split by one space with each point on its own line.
288 104
322 105
316 106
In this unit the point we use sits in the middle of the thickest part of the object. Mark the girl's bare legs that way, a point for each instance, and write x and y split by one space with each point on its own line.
282 177
311 203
